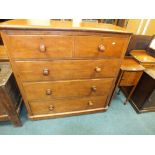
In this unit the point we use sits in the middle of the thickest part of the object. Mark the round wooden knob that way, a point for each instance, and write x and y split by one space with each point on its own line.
90 103
51 107
46 71
98 69
101 48
42 48
48 92
93 88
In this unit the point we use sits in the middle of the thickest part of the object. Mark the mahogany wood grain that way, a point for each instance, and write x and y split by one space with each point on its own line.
78 57
97 46
66 69
62 89
67 105
31 46
130 78
130 74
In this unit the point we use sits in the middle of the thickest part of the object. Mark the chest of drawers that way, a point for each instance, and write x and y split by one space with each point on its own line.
63 71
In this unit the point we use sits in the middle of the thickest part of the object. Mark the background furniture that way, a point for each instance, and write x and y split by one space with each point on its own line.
10 98
63 70
143 97
129 75
138 42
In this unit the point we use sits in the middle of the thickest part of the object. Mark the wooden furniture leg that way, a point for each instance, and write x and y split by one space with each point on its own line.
131 92
10 108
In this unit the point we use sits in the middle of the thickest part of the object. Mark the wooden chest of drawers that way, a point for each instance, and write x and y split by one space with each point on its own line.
64 71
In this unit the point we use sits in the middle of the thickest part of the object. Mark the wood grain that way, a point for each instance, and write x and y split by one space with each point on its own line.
71 88
65 105
66 69
89 46
56 64
28 46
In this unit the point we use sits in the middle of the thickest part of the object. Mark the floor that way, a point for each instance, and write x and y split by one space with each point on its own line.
118 120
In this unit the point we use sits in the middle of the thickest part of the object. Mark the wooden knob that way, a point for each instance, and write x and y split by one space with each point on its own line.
42 48
51 107
101 48
93 88
90 103
98 69
48 92
46 71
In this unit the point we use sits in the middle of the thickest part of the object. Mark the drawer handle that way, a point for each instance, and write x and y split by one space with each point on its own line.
46 72
51 107
98 69
101 48
90 103
42 48
93 88
48 92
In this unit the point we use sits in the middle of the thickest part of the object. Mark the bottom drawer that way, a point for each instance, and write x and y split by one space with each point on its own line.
67 105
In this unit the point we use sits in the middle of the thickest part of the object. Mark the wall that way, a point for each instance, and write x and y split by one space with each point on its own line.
141 26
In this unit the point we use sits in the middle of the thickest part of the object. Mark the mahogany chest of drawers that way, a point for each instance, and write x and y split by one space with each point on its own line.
64 70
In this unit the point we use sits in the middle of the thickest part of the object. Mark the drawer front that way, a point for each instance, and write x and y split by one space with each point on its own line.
96 46
62 89
38 46
130 78
67 105
66 69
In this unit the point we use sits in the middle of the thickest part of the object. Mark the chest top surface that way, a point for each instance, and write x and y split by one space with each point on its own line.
60 25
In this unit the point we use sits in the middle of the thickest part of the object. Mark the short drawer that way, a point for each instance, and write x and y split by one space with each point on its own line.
130 78
67 69
96 46
38 46
62 89
67 105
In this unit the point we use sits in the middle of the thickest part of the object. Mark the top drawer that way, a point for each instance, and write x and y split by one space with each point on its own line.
41 46
98 46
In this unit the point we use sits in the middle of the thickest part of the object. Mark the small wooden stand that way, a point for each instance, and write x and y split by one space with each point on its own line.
129 75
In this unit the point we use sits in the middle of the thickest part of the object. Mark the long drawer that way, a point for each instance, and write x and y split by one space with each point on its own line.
41 46
67 105
98 46
62 89
66 69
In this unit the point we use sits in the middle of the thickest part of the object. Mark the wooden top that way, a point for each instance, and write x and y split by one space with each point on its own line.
142 56
5 72
129 64
60 25
150 71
